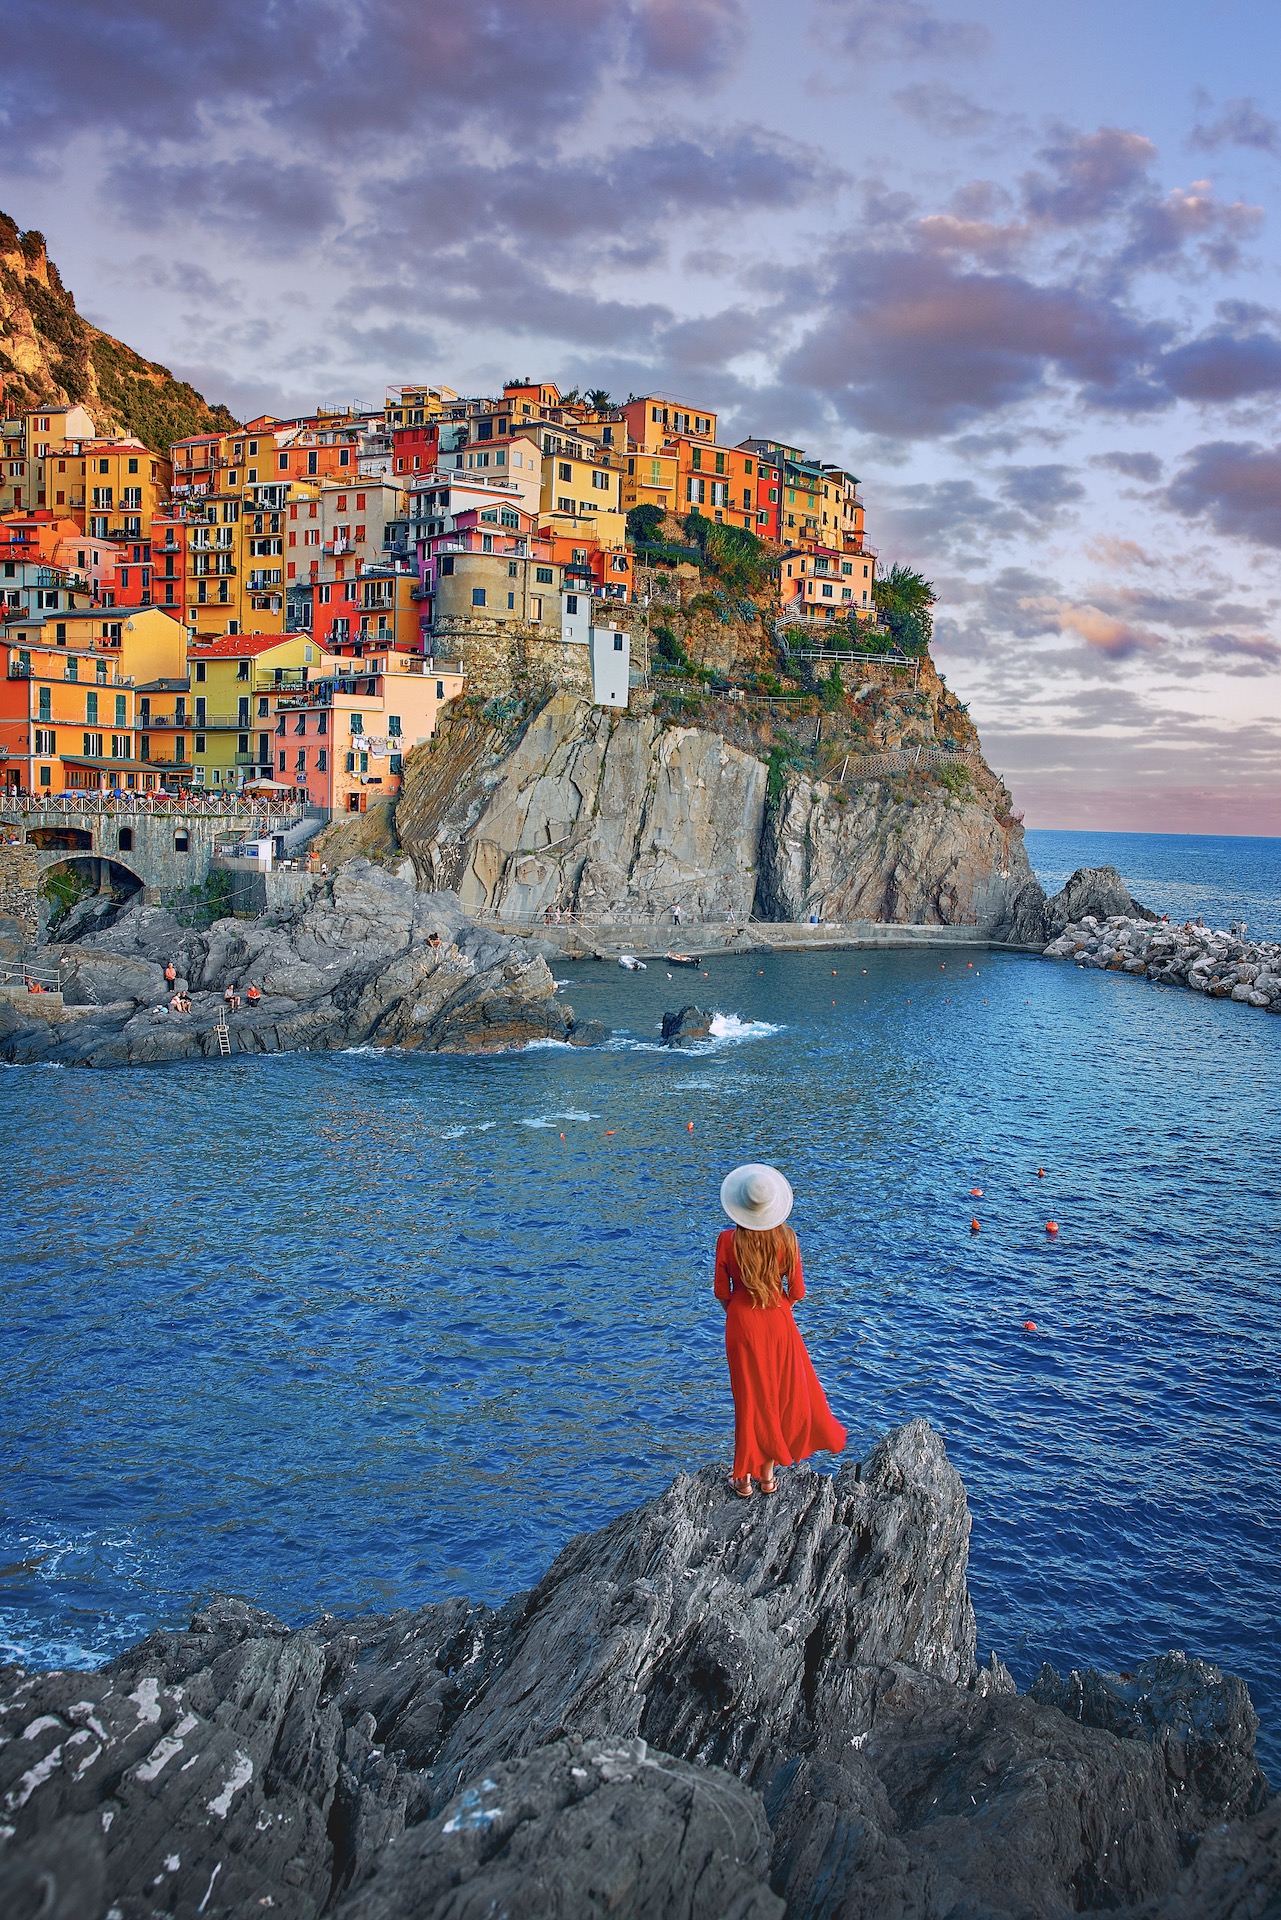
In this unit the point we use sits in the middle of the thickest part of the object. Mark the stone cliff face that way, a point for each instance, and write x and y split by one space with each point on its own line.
601 813
626 817
937 861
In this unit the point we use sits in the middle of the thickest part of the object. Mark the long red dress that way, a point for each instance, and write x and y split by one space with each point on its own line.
780 1410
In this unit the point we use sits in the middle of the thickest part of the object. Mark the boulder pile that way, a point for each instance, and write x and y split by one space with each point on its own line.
1224 965
710 1710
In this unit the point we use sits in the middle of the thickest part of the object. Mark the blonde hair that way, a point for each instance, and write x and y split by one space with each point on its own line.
765 1259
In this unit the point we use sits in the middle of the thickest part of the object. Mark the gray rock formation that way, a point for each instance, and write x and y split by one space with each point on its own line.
687 1023
367 961
616 816
599 1744
1222 965
936 862
600 813
1033 919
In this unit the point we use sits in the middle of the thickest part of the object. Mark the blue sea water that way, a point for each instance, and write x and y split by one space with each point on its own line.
351 1331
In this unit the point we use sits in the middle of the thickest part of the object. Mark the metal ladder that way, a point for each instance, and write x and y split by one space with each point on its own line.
224 1037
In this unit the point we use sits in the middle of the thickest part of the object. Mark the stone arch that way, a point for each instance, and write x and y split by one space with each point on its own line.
70 839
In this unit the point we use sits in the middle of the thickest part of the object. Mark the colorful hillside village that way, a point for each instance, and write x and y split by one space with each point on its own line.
290 606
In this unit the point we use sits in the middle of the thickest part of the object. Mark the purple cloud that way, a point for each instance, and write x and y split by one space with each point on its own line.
1234 484
1090 176
1241 123
1135 466
910 345
897 29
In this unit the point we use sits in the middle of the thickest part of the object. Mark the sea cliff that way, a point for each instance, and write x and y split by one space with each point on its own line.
710 1708
873 802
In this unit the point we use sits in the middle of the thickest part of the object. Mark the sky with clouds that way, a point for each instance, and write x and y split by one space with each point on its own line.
1016 265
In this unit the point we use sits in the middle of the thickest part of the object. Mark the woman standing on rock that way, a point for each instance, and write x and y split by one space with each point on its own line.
780 1412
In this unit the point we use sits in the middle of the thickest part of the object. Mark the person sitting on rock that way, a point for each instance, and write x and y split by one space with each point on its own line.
231 997
252 995
171 973
781 1414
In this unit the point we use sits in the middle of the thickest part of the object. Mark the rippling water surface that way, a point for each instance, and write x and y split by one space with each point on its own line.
349 1331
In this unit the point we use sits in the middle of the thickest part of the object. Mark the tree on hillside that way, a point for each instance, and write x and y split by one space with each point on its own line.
598 399
903 601
645 524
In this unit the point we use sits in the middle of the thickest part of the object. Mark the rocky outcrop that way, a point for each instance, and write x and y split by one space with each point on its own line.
623 817
876 854
366 961
711 1708
687 1023
1210 961
1033 919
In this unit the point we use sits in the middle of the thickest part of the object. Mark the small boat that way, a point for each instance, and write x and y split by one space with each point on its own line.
631 963
680 959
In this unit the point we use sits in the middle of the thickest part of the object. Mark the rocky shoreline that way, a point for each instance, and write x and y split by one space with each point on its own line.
1223 965
709 1709
368 961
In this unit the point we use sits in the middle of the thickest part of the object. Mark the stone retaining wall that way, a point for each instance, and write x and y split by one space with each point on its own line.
19 886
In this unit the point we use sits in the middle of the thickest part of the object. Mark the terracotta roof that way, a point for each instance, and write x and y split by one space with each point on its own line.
230 646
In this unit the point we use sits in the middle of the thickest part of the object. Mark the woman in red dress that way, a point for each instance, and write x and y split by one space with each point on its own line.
780 1412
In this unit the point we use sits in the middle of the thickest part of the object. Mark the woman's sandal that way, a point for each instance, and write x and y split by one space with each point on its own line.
768 1486
743 1488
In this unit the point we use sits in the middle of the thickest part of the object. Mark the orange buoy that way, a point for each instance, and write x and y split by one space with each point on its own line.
975 1227
833 973
1040 1173
1029 1326
610 1131
562 1136
976 1193
689 1126
1051 1227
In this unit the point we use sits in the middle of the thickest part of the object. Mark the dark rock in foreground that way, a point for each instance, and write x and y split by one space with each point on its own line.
368 961
709 1709
688 1023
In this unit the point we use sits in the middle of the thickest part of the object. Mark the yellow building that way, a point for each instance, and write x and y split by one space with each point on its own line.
651 480
582 491
233 554
41 459
125 485
235 679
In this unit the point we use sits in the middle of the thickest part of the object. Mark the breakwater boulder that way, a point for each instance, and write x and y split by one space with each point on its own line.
1226 966
687 1023
367 961
709 1709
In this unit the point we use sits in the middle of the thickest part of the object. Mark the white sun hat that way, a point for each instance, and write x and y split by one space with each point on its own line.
756 1196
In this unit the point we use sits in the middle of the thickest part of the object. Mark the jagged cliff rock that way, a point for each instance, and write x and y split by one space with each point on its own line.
602 813
50 355
711 1709
875 855
625 817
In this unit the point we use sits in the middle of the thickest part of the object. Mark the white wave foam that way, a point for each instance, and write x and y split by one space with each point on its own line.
456 1133
728 1026
542 1046
554 1120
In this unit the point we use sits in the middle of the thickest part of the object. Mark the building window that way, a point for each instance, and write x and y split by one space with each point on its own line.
322 760
46 740
91 709
571 603
300 764
357 722
282 759
46 776
478 596
511 602
544 576
440 689
618 643
200 743
393 725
